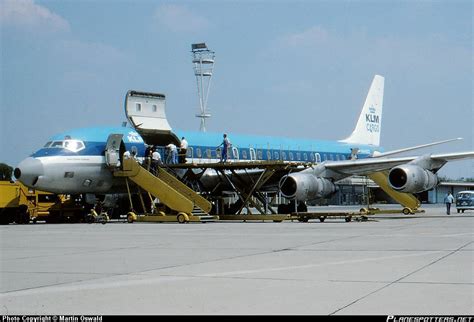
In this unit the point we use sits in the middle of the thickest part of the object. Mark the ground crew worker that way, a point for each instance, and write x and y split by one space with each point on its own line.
155 159
225 146
172 154
183 149
448 200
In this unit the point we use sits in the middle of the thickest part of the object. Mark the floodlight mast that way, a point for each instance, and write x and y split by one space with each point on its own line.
203 61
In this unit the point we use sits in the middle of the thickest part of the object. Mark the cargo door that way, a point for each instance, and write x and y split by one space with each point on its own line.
146 113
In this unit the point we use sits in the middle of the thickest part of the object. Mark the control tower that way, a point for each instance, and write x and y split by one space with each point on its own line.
203 61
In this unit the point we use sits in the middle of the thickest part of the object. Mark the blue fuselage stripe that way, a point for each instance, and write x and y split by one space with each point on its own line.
248 147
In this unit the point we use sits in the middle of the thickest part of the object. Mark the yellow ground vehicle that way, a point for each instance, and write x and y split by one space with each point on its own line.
20 204
14 203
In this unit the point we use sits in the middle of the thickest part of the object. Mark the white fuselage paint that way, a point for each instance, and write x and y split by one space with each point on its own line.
75 174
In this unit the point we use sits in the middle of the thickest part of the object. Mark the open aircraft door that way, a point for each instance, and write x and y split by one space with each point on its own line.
146 113
112 150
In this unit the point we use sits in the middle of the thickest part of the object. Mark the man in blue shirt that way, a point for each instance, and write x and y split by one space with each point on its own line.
448 200
225 145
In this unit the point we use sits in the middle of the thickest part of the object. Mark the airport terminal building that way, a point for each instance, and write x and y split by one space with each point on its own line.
353 191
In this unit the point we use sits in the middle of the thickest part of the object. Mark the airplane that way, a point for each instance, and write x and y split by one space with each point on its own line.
76 161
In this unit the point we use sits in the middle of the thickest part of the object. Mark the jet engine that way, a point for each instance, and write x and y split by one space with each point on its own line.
305 186
411 178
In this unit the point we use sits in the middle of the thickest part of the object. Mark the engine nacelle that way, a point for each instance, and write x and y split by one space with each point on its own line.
305 186
411 178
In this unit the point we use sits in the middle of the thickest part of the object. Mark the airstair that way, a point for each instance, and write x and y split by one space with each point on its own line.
182 200
409 202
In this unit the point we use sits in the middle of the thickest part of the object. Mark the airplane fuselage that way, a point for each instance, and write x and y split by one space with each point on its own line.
74 161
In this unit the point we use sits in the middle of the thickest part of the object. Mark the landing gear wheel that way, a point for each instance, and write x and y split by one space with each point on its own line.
459 210
348 219
322 218
407 211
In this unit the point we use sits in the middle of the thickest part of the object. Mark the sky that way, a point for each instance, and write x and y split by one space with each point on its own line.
300 69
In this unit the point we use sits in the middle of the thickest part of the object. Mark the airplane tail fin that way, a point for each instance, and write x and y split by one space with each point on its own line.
367 130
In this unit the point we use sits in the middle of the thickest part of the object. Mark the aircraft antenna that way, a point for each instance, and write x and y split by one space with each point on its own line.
203 61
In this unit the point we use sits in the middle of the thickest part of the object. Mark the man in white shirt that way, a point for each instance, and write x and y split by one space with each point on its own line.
155 159
172 154
183 149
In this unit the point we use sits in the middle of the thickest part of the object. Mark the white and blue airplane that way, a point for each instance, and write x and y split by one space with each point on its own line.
75 162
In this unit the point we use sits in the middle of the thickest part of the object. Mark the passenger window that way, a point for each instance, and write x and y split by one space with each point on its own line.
298 156
291 156
253 156
244 154
259 154
277 155
283 155
208 153
305 156
311 157
269 155
154 108
198 152
138 107
235 153
218 152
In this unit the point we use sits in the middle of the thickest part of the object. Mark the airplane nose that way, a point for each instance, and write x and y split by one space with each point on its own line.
28 171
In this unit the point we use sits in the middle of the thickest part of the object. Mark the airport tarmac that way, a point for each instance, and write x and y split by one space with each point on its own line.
392 264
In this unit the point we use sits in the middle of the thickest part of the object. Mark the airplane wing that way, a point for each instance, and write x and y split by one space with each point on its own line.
384 154
369 165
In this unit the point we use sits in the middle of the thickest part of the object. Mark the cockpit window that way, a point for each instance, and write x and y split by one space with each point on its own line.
71 145
57 144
